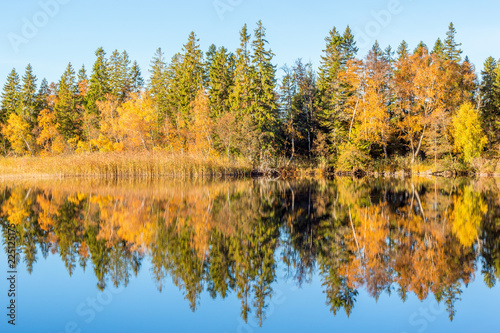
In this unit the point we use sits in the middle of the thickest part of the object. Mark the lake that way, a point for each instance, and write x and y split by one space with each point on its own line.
247 255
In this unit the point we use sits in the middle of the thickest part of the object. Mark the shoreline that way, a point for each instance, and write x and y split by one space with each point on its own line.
151 165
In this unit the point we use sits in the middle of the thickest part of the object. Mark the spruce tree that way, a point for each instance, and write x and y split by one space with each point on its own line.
240 93
186 77
264 106
43 95
452 49
99 82
11 96
67 117
220 81
330 89
349 48
490 112
82 74
439 49
403 50
136 80
421 48
157 86
28 109
119 75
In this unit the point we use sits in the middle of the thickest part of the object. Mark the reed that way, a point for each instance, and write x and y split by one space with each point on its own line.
122 165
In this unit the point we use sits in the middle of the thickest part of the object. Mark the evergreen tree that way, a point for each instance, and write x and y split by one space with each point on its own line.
11 96
137 82
330 89
421 48
119 75
349 48
186 78
303 106
43 95
451 48
439 49
67 116
403 50
220 74
157 84
264 107
240 94
490 113
82 74
99 82
29 110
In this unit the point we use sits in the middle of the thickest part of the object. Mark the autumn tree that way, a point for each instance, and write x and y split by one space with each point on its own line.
468 133
17 132
201 141
137 123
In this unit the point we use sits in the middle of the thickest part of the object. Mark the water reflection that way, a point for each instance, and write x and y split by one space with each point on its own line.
421 236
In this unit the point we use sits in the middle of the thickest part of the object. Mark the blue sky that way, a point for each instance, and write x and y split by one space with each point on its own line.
296 29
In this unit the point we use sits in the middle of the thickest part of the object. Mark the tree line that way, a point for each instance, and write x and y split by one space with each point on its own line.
417 105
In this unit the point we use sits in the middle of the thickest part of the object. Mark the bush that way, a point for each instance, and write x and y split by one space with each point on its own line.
352 158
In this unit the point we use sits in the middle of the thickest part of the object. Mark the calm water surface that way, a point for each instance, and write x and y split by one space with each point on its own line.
414 255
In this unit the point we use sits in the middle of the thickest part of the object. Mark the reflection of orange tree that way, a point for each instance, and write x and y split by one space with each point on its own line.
409 236
412 247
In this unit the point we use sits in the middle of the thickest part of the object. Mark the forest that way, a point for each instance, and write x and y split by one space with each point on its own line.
420 110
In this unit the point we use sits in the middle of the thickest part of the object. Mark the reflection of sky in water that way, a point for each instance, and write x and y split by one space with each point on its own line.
50 300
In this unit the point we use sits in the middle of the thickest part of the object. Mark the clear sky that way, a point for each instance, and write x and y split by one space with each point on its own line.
296 29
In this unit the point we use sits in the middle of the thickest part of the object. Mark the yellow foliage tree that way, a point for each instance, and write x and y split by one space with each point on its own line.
201 139
50 139
17 132
138 123
470 139
109 136
469 211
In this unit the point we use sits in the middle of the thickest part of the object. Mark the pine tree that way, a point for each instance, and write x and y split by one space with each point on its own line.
220 83
11 96
439 49
99 82
330 89
43 95
119 75
186 77
82 74
137 82
240 94
421 48
403 50
67 116
452 49
490 113
157 86
264 106
29 110
349 48
303 106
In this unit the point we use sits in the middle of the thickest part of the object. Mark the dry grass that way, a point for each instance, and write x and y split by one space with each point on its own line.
121 165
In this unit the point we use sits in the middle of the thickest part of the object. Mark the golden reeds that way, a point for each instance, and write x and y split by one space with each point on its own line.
122 165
